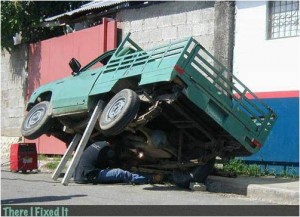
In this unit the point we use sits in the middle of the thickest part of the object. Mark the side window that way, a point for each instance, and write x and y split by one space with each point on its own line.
283 19
96 65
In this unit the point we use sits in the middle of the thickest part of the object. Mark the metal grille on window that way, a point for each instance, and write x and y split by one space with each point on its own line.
283 19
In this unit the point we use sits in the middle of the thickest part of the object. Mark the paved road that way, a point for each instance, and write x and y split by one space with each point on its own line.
40 189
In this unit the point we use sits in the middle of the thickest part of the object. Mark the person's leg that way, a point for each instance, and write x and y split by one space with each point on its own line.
140 179
114 176
119 176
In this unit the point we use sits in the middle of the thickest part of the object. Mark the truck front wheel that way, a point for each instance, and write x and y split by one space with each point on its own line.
37 121
119 112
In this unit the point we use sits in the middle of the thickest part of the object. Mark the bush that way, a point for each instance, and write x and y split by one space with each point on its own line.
240 168
52 165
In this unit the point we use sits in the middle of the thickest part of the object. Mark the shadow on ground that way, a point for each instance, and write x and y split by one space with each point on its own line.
39 199
164 188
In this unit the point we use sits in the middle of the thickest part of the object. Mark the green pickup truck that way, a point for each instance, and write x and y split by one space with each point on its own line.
170 108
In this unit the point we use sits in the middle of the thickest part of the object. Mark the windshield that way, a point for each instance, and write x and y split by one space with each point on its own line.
99 61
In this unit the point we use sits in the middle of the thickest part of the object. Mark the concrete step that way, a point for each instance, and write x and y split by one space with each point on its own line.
276 190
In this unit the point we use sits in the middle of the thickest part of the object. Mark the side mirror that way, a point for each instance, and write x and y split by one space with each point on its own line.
75 66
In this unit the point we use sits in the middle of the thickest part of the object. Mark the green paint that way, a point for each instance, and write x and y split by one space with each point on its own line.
222 98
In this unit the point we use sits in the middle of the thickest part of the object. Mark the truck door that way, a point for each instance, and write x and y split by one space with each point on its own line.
72 93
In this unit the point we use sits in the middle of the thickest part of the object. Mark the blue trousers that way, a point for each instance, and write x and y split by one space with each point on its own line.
121 176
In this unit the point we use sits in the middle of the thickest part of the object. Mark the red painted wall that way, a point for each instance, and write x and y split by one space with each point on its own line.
48 61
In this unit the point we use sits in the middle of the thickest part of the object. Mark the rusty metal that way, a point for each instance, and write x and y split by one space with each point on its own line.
196 125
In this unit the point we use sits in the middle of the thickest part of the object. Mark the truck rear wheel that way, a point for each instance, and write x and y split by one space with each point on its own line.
37 121
119 112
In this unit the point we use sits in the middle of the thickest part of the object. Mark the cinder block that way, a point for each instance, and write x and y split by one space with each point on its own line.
4 105
155 35
189 17
208 14
135 36
169 33
164 21
136 25
11 112
150 23
5 144
206 41
13 122
125 26
20 120
194 17
21 111
147 45
21 102
185 31
199 29
18 91
210 27
199 16
144 36
4 94
178 19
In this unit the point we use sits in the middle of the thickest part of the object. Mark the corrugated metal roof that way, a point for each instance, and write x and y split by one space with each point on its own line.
88 7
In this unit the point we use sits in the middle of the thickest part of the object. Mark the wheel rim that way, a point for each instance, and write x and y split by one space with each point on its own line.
35 117
115 109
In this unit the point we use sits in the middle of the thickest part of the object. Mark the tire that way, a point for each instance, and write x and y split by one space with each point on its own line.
182 179
119 112
37 121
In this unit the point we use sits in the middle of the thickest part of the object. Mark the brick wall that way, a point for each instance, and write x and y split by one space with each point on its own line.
212 24
13 78
165 22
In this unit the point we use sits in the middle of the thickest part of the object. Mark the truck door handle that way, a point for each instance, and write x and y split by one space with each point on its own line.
93 74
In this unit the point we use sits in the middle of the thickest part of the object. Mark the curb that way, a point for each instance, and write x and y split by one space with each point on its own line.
272 192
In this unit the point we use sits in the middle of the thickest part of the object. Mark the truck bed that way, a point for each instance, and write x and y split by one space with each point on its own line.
218 103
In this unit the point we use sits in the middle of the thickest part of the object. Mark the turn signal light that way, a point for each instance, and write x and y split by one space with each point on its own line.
179 69
256 143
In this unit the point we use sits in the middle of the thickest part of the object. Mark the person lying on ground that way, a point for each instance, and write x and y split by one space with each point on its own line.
95 166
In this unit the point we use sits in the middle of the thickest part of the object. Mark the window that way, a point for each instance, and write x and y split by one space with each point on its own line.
283 20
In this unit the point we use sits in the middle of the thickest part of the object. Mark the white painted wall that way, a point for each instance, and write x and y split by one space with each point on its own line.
263 65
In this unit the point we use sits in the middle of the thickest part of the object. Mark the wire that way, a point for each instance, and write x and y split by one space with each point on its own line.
20 160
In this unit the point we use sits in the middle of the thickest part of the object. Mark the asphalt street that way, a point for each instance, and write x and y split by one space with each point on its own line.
40 189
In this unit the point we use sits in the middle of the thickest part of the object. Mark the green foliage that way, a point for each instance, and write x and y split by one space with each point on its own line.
52 161
52 165
49 157
240 168
289 172
42 157
27 16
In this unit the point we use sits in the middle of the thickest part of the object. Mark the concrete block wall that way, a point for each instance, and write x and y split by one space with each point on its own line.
13 90
168 21
211 23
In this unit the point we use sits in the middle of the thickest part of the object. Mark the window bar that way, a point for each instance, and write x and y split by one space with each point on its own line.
279 18
285 14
